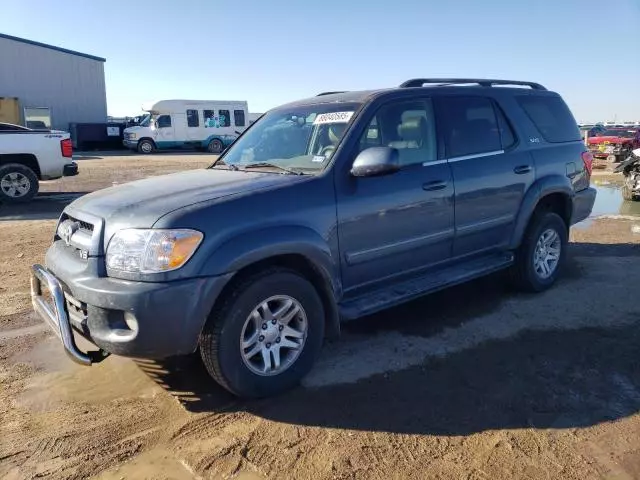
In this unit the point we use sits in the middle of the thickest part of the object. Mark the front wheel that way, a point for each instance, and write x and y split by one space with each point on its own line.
146 147
266 334
18 183
542 252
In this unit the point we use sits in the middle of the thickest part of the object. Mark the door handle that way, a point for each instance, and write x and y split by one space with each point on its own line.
522 169
435 185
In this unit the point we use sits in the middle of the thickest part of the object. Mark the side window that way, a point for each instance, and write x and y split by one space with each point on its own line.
470 127
408 127
238 118
551 117
225 118
164 121
506 132
193 120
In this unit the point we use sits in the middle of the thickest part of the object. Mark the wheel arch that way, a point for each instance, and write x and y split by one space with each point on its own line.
553 193
27 159
302 265
149 139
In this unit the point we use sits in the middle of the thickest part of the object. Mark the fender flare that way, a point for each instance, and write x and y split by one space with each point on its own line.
250 247
541 188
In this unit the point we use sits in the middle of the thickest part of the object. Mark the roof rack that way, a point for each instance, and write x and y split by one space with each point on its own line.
483 82
328 93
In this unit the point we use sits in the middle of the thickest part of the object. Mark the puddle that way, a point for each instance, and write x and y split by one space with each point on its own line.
155 464
62 381
609 202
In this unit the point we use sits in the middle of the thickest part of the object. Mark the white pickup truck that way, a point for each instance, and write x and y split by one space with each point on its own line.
28 156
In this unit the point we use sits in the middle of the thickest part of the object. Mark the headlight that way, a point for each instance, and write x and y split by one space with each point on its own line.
151 251
132 136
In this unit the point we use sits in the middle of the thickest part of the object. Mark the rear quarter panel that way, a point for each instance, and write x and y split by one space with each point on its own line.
44 145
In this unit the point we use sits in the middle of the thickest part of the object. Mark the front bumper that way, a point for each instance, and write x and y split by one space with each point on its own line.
70 170
133 144
132 319
583 202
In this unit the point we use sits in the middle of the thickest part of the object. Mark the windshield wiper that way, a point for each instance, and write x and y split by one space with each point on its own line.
272 165
231 166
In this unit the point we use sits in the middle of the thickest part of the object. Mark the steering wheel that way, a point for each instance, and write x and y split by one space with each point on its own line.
328 150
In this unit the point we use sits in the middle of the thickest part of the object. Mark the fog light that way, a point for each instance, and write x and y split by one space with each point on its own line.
131 321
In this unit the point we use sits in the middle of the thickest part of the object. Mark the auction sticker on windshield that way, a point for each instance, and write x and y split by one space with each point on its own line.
333 117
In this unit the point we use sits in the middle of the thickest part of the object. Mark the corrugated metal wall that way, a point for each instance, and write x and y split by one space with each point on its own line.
72 86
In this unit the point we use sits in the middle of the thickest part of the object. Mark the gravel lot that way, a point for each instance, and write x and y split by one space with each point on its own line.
474 382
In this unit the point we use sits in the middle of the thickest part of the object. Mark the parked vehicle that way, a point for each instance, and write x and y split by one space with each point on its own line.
630 168
324 210
27 156
210 125
614 144
591 130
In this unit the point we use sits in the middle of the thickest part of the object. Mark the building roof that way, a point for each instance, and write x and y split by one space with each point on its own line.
52 47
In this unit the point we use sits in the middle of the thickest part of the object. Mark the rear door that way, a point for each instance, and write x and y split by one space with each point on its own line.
491 173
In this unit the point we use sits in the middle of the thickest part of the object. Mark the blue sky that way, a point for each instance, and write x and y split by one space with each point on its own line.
272 51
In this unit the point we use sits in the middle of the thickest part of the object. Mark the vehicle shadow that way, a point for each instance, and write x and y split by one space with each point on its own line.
45 206
543 378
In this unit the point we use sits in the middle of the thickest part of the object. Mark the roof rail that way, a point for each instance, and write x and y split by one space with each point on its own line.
329 93
483 82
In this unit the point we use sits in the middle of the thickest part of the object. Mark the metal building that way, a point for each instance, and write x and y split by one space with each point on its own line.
46 86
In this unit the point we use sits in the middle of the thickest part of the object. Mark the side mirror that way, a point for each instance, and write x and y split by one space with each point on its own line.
376 161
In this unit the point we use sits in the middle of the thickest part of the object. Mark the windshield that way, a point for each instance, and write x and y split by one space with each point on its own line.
301 139
145 120
618 133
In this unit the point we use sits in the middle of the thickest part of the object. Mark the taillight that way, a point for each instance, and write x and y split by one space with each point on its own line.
66 147
587 158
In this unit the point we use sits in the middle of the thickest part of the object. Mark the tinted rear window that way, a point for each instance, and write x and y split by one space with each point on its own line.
552 117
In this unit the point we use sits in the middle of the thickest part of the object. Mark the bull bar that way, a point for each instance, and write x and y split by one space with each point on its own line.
56 315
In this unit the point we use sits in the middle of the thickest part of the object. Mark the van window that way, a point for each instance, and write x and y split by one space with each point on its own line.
225 118
193 119
164 121
238 118
471 126
552 118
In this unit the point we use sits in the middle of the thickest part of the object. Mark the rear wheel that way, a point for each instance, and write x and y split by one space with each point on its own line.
146 146
215 146
266 334
542 252
18 183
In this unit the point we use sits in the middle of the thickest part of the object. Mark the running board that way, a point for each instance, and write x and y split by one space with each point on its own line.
383 298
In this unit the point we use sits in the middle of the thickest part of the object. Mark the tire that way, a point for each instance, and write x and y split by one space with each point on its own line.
215 146
524 272
231 323
146 146
18 183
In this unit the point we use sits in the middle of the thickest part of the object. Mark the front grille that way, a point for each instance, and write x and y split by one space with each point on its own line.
86 226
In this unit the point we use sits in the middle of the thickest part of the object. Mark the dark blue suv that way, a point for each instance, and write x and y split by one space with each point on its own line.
324 210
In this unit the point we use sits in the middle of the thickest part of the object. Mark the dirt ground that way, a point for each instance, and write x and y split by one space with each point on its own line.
475 382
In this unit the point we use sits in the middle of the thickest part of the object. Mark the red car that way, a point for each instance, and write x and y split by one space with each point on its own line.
615 143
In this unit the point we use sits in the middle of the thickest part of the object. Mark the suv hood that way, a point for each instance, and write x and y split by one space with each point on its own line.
141 203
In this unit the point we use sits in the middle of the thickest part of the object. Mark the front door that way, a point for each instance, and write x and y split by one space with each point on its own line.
490 169
399 223
165 135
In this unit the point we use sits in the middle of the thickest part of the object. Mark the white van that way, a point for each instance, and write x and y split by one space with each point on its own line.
211 125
